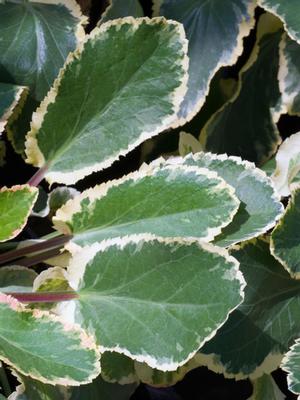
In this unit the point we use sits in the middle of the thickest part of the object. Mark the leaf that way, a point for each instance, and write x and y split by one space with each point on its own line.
97 112
260 207
265 388
258 333
288 12
41 207
289 75
188 144
286 175
59 196
291 364
172 201
215 30
120 8
117 368
285 239
10 96
155 301
15 278
51 29
38 345
15 206
245 125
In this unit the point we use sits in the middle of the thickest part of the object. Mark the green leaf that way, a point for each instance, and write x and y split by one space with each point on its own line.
51 30
117 368
41 207
291 364
289 75
172 201
155 301
10 96
285 239
286 175
215 30
59 196
260 207
288 12
245 125
37 344
16 279
15 206
120 8
265 388
258 333
97 112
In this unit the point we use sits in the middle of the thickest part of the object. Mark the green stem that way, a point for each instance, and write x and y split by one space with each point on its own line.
4 381
44 297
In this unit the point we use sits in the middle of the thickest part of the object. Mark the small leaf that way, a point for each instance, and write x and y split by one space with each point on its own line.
188 144
245 125
51 29
16 279
265 388
215 30
285 239
291 364
172 201
59 196
10 96
117 368
38 345
260 207
258 333
286 175
288 12
120 8
155 301
41 207
15 206
97 112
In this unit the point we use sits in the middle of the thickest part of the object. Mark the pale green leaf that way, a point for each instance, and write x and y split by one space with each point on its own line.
258 333
172 201
215 30
16 279
289 13
289 75
265 388
285 239
260 207
15 206
245 125
98 111
68 358
155 301
35 40
291 364
286 175
188 144
120 8
10 96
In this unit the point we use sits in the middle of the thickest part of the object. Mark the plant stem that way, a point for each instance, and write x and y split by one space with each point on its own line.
4 381
30 261
44 297
56 242
38 176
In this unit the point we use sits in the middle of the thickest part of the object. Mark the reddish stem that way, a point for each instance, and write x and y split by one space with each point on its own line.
44 297
38 176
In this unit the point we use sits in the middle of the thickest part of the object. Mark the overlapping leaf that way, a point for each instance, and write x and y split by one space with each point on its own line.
15 278
155 301
121 9
265 388
260 207
68 358
98 111
10 96
117 368
215 30
50 29
172 201
15 206
285 239
258 333
291 364
245 125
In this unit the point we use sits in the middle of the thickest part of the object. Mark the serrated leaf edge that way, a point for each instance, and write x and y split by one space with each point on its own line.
286 368
11 112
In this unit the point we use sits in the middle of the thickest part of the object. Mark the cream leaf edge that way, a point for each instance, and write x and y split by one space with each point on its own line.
266 24
10 113
286 368
34 154
87 341
77 266
256 173
73 206
29 189
244 30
